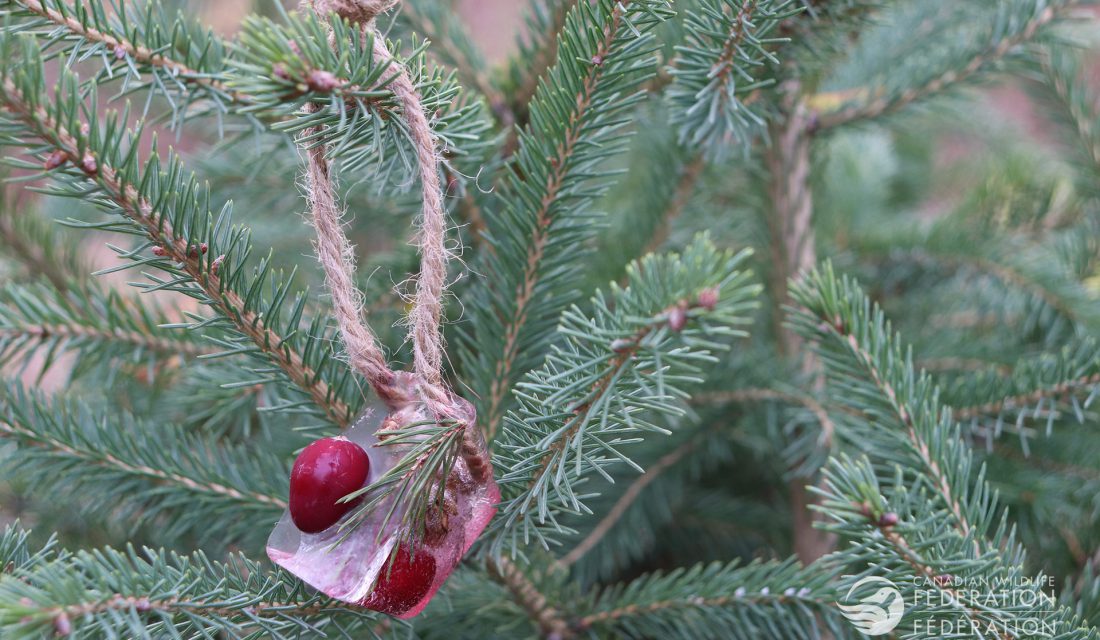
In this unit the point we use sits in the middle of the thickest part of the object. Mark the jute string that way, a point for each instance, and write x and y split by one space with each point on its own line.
335 251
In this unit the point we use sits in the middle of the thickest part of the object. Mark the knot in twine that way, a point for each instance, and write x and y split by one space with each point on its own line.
337 256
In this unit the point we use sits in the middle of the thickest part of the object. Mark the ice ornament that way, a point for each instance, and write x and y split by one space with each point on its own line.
356 566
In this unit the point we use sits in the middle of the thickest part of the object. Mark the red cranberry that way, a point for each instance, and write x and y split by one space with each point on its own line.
403 581
324 472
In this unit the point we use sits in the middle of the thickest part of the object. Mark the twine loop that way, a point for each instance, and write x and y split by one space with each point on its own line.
337 256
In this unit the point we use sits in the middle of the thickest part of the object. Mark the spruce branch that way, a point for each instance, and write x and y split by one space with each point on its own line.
16 552
615 372
537 52
920 509
1058 83
725 49
83 20
154 594
182 61
603 55
1054 391
140 472
355 115
860 333
1009 26
35 244
1082 594
897 534
974 612
1048 387
264 77
762 599
1039 284
103 326
203 256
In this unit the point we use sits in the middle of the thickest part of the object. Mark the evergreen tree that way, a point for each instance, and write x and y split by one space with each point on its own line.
743 341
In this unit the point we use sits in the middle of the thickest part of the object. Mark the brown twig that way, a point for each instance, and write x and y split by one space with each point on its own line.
792 246
44 332
551 623
33 257
625 500
685 187
756 394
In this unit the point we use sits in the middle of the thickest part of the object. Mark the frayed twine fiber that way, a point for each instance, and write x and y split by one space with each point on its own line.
337 257
338 261
427 312
358 11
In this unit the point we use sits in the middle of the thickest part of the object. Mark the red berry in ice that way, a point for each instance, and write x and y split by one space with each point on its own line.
403 581
324 472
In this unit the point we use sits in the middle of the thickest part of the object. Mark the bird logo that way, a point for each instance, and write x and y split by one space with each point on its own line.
878 613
